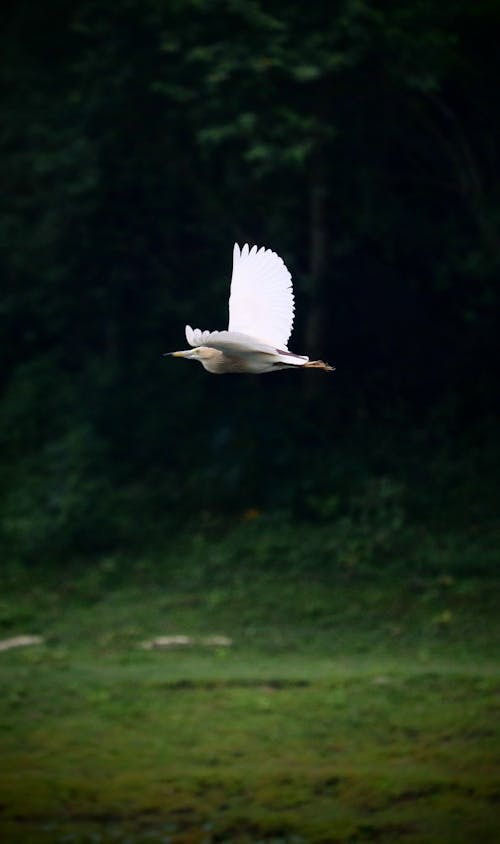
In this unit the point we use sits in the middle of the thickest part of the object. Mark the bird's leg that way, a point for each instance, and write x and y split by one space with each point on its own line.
319 364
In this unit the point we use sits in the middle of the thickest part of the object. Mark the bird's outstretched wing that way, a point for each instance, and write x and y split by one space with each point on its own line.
231 342
261 301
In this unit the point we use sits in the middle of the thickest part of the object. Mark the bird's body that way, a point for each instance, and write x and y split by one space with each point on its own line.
219 363
261 309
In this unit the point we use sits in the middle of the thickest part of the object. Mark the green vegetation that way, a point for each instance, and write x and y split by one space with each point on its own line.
142 138
356 703
343 531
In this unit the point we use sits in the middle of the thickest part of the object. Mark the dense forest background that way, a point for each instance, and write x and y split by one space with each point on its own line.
139 140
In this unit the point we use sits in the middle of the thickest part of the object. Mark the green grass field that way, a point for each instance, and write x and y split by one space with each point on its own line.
355 707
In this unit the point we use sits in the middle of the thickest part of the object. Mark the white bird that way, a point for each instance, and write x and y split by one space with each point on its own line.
261 309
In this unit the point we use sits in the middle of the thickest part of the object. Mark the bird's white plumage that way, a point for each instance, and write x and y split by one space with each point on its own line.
261 309
261 302
227 341
235 344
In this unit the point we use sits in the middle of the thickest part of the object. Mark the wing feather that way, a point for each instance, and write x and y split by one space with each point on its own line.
228 341
261 302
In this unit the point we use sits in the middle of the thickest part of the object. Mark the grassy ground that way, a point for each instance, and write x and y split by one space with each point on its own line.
355 707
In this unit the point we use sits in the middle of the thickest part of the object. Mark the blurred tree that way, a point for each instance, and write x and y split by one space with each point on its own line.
141 138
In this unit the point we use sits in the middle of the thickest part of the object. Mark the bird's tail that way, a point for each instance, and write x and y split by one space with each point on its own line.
319 364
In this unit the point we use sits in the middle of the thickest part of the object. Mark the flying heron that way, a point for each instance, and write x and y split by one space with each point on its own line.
261 311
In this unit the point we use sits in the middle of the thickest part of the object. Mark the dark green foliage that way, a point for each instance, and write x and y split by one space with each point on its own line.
139 140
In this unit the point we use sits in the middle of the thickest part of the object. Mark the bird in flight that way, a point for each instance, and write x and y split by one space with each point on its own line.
261 309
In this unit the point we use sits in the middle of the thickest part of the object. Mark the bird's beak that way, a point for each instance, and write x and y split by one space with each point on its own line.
188 353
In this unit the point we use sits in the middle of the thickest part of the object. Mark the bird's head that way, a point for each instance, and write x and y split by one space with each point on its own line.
210 359
201 353
193 354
